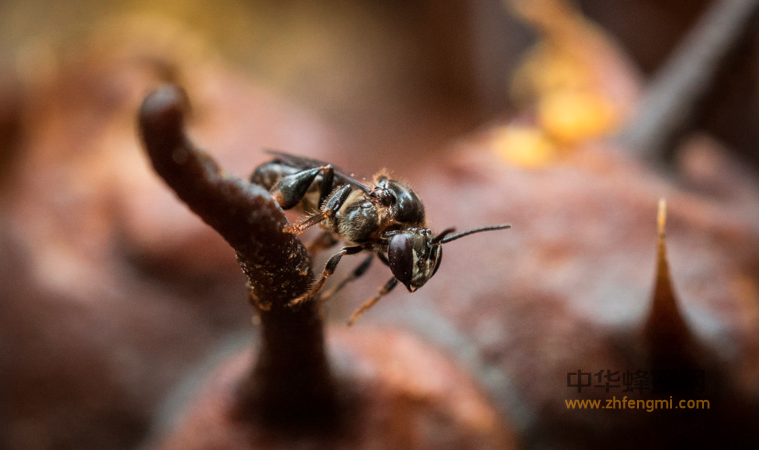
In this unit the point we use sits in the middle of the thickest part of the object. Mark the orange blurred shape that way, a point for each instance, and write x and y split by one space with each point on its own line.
575 84
524 146
571 116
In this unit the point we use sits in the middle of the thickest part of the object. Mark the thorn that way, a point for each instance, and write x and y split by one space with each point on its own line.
661 220
668 338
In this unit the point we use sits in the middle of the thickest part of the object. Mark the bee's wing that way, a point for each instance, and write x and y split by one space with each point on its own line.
301 162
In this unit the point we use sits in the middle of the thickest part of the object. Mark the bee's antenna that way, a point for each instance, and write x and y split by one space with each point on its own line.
468 232
442 235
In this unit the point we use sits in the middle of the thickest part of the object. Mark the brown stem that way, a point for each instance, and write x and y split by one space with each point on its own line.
672 95
291 378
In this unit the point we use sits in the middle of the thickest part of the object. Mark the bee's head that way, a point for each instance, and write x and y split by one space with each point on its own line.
414 254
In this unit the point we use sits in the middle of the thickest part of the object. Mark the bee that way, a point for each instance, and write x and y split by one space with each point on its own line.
385 218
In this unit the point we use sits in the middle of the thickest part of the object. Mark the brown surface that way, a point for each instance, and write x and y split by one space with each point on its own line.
396 391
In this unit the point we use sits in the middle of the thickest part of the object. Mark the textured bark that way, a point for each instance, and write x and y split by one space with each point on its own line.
292 378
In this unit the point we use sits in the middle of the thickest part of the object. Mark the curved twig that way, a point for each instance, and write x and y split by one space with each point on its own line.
291 375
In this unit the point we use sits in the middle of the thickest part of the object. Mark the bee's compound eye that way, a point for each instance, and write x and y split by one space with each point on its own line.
400 255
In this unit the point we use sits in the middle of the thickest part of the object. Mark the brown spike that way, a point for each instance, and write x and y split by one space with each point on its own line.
667 336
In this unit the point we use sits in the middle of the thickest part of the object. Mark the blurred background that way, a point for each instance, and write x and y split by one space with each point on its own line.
529 112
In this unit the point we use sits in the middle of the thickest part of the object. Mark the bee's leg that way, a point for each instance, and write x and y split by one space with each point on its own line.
266 175
328 177
291 189
369 303
329 269
383 258
333 204
357 273
322 242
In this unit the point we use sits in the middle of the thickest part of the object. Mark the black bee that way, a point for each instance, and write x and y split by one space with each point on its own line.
385 217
